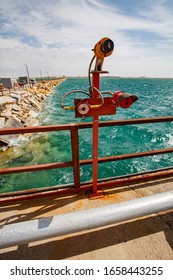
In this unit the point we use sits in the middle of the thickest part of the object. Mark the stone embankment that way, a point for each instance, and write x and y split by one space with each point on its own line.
20 108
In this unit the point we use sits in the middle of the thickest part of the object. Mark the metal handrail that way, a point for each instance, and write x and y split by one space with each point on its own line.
34 129
76 162
19 233
46 166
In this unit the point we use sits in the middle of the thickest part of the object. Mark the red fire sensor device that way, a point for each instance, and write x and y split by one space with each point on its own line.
95 104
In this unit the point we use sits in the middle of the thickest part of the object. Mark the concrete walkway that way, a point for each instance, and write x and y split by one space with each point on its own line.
150 237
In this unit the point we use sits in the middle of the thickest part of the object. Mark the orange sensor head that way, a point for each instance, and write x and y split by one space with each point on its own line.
104 48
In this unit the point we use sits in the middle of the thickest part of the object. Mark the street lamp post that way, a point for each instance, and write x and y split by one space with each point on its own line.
40 74
27 71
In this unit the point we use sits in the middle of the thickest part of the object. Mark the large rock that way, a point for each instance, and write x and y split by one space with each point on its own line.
10 154
28 107
34 103
6 113
11 122
16 107
5 139
2 122
17 97
4 100
30 121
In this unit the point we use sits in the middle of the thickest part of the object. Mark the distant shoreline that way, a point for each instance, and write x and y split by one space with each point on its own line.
118 77
20 107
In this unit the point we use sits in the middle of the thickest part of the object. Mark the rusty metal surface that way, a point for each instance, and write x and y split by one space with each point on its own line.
32 168
128 156
76 162
149 238
35 129
75 155
69 190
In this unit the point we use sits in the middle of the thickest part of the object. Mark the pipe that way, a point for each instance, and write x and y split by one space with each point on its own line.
54 226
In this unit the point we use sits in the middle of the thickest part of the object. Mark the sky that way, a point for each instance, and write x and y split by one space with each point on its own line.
56 37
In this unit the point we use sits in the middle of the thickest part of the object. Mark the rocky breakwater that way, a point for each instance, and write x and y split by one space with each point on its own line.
20 108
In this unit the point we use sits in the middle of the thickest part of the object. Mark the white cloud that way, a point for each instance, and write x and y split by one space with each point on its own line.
57 37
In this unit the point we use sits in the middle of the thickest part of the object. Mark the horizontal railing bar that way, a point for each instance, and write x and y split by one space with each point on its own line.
35 129
128 156
138 121
39 167
113 182
69 186
127 122
46 166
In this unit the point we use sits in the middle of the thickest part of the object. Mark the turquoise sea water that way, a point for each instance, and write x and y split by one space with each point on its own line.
155 99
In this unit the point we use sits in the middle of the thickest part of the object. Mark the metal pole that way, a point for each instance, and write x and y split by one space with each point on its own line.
95 153
27 73
75 155
54 226
40 74
96 193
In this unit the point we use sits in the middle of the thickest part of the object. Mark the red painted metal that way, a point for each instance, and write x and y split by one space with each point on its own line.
35 129
108 108
113 183
33 168
76 163
75 155
95 96
48 193
128 156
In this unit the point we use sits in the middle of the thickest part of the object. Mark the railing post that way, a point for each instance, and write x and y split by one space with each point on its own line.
95 139
75 154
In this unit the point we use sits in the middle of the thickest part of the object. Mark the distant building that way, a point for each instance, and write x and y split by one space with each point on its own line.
24 80
8 82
